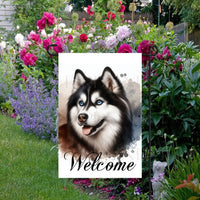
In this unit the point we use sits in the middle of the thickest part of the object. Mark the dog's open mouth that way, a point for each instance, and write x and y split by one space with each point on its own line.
88 130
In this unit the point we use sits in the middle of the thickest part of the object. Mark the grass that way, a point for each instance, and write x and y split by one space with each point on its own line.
29 168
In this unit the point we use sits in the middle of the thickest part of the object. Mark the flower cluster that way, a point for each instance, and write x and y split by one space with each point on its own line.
28 58
125 48
143 48
89 12
165 54
178 62
86 181
33 36
48 19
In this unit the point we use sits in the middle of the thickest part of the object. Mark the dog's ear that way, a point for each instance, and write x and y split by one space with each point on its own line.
109 79
79 79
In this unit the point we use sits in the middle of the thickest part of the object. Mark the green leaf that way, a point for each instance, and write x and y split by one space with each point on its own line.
156 119
170 159
185 125
196 68
193 198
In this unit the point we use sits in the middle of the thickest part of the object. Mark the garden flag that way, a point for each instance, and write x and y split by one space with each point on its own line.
100 115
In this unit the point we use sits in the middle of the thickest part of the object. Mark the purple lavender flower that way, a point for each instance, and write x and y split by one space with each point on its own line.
137 191
36 107
101 44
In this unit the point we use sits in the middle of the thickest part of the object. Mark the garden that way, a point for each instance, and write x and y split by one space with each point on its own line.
29 101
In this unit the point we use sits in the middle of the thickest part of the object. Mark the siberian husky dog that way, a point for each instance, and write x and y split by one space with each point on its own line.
98 115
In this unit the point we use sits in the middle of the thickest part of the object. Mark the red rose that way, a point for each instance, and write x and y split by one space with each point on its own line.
144 49
111 16
83 37
125 48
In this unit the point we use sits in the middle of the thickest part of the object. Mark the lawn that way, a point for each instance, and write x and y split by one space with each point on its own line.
29 168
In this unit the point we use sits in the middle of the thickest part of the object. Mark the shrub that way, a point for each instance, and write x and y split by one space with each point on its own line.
175 106
7 72
181 170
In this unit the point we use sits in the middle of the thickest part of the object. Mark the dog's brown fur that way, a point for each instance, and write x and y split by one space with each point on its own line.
66 142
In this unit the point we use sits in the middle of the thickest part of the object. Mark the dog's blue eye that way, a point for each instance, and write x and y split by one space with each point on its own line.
81 103
99 102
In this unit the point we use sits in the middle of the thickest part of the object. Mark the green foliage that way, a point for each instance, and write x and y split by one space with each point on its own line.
129 194
175 105
98 182
7 108
166 15
7 73
28 12
192 15
182 168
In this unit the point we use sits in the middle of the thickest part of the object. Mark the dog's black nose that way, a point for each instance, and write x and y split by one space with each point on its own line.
82 117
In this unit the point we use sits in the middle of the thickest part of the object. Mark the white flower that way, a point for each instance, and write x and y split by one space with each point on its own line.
111 42
67 30
3 45
92 29
123 33
18 27
62 25
68 8
90 35
88 46
19 38
43 33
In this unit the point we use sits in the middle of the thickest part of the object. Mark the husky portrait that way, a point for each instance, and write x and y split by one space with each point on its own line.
99 117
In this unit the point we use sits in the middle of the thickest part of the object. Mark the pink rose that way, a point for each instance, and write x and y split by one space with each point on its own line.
122 8
60 45
35 37
41 23
51 20
29 59
23 77
89 12
48 19
78 27
22 53
14 115
125 48
46 43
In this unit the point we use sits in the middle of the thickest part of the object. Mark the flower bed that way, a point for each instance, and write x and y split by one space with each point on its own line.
29 80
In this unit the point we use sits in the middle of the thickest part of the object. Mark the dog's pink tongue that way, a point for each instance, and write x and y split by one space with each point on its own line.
86 130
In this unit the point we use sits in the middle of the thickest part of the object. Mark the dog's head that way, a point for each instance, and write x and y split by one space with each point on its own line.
94 104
